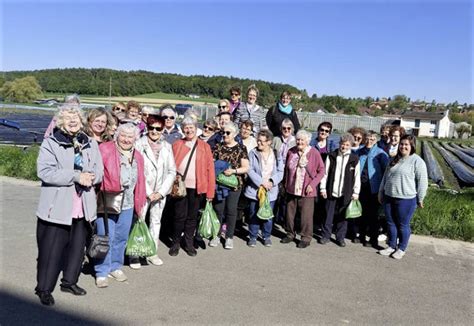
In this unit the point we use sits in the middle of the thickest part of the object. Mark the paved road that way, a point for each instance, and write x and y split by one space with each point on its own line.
327 285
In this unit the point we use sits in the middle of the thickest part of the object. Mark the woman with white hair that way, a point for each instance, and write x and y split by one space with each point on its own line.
123 172
304 170
194 161
69 166
231 158
340 185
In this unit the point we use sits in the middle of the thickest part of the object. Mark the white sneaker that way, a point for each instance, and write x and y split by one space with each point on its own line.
101 282
398 254
214 242
135 265
387 251
155 260
382 237
229 243
118 275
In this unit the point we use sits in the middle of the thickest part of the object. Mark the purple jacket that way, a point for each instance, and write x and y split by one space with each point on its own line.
314 171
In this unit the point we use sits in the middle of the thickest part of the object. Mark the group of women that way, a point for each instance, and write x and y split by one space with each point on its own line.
144 151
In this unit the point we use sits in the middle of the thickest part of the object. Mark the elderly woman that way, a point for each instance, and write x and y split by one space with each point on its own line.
359 135
403 188
160 172
396 132
373 162
194 161
120 110
266 170
322 143
384 142
100 125
69 166
285 140
246 130
340 185
304 170
172 132
208 129
223 106
283 110
234 98
123 172
231 158
250 110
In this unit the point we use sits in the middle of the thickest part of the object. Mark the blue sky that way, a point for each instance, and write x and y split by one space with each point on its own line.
422 49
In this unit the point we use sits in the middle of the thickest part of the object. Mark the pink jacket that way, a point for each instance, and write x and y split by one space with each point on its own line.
111 181
314 171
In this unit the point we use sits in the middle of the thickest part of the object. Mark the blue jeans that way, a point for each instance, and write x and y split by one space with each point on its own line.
255 222
119 229
399 213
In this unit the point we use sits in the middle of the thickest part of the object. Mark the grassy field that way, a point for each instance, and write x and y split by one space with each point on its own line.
18 162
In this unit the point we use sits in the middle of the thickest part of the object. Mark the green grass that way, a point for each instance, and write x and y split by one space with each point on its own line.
446 215
8 110
19 163
166 96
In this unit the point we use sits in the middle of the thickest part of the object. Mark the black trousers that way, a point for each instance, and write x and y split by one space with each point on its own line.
186 212
369 222
335 209
60 247
226 210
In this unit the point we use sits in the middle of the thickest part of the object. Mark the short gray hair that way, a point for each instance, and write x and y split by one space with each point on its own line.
347 137
69 108
304 134
127 127
287 122
233 127
189 121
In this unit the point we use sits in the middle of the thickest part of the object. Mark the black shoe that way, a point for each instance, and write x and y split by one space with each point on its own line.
199 243
174 250
323 241
341 243
46 298
190 251
74 289
303 244
356 240
286 240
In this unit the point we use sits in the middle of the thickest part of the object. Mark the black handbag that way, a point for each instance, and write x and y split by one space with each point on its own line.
99 245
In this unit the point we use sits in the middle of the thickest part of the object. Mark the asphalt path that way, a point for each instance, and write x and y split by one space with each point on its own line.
327 285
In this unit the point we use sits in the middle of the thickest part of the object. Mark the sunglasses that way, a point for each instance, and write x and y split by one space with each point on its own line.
226 133
235 94
168 117
117 109
150 128
208 128
325 130
222 106
285 128
358 138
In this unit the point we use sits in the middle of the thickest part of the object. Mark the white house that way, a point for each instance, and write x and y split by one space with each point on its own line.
427 124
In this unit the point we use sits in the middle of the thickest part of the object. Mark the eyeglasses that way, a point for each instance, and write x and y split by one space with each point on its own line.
226 133
234 94
118 109
208 128
357 137
222 106
285 128
150 128
327 131
170 117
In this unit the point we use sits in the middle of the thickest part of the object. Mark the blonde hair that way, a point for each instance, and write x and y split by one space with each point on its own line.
98 112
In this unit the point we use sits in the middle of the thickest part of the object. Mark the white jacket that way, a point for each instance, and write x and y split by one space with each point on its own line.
159 174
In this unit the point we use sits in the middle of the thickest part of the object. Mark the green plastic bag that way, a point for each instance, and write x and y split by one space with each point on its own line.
140 243
209 225
230 181
354 209
265 211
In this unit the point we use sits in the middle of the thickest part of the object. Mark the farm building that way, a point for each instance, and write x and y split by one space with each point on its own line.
428 124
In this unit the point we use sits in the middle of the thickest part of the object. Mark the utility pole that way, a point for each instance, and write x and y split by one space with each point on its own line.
110 90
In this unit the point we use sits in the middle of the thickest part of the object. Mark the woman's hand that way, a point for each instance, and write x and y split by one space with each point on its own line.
309 190
268 185
420 205
355 196
86 179
209 199
380 198
155 197
229 172
324 194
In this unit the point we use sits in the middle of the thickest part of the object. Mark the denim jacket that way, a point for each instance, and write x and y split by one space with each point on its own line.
377 161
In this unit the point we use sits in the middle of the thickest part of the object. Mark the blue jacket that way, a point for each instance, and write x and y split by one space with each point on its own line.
255 176
330 143
377 161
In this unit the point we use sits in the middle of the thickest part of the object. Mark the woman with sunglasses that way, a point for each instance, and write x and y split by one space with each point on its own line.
171 132
282 110
119 110
250 110
230 159
322 143
223 106
234 99
208 129
160 172
359 135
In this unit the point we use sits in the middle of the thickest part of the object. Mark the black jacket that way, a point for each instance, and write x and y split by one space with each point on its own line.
275 117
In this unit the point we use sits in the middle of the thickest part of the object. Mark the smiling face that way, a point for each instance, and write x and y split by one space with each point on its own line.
404 148
207 130
235 96
370 141
345 146
133 113
189 131
286 130
245 131
169 117
285 100
223 120
126 139
99 124
251 97
357 139
72 122
323 132
301 143
263 144
223 107
395 137
228 135
154 131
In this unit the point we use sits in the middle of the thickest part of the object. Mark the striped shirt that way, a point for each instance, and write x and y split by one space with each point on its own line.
407 179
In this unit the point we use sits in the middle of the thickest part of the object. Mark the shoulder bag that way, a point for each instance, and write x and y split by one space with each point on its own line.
178 190
99 244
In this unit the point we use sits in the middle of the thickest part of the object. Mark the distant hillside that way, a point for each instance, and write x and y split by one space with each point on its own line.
131 83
